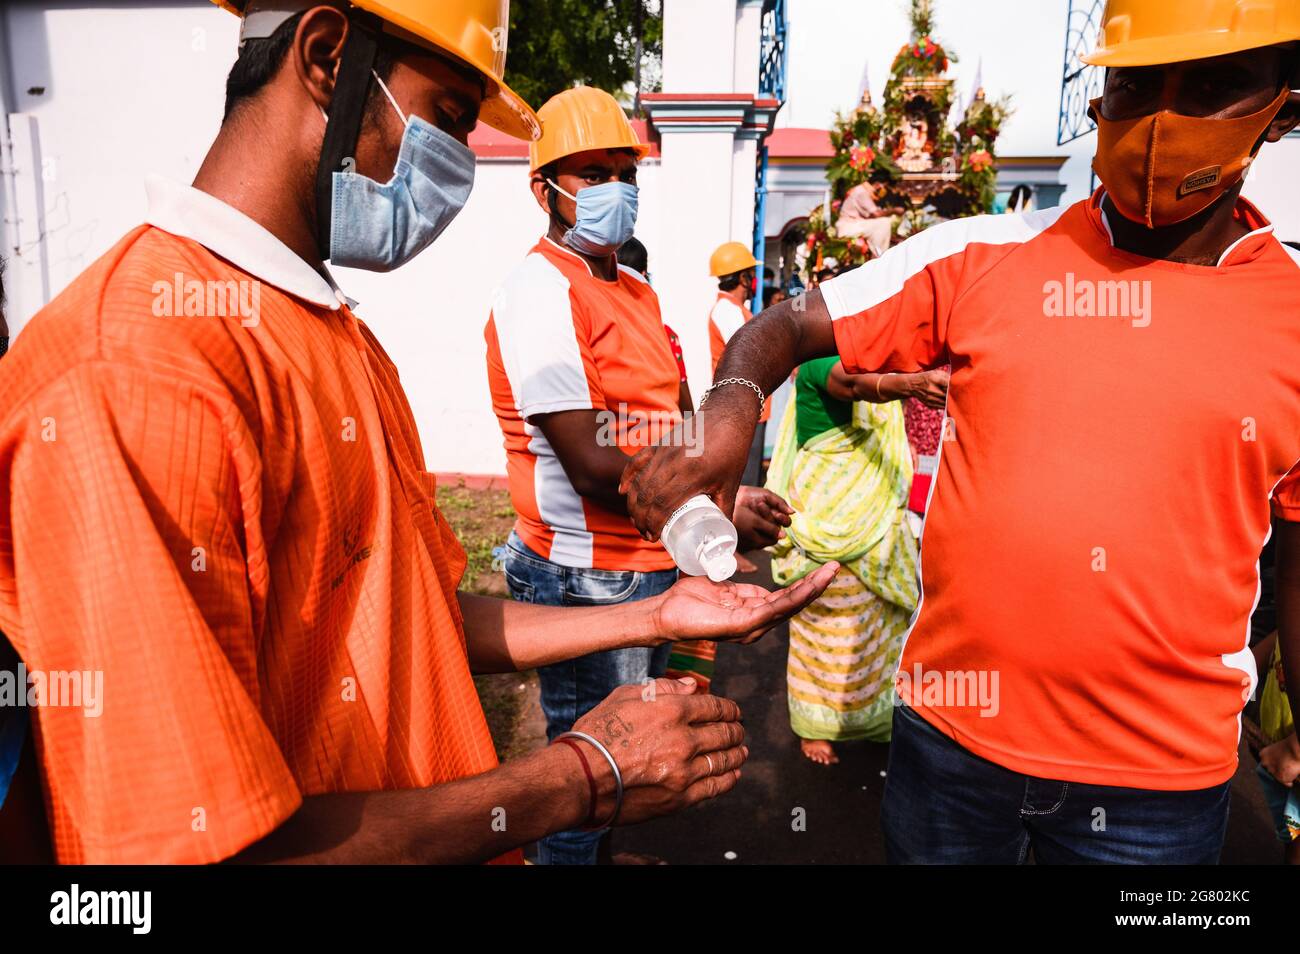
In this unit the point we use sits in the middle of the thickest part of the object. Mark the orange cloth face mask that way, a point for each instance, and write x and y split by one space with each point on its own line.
1164 168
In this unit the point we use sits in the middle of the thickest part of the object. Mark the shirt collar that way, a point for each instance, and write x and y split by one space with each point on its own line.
549 245
223 230
1243 250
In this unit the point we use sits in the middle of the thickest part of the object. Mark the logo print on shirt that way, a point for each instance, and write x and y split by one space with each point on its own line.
354 556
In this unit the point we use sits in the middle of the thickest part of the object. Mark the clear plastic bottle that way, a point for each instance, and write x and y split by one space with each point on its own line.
701 540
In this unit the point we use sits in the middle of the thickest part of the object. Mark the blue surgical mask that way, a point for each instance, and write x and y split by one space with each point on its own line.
606 217
381 226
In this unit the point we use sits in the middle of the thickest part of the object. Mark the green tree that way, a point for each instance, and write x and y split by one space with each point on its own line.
604 43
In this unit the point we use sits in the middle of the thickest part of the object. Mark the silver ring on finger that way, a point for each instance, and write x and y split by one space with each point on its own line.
709 759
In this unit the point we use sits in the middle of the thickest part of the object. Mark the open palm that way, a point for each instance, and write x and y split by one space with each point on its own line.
696 608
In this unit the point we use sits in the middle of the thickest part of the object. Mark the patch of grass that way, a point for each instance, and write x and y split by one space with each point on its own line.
482 520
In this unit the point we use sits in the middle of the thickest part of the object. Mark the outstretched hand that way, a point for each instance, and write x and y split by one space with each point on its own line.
759 517
696 608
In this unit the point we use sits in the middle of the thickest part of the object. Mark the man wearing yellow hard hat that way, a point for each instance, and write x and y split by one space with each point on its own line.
582 375
223 509
1123 422
735 268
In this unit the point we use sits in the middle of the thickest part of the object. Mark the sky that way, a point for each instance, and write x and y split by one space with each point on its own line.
1021 44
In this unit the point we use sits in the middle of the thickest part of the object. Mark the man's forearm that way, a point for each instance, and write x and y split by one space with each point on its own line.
711 458
467 821
595 476
505 636
585 447
768 348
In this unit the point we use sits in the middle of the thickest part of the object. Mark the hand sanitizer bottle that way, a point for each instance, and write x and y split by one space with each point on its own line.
701 540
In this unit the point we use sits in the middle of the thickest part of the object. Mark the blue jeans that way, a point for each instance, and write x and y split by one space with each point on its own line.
572 688
944 805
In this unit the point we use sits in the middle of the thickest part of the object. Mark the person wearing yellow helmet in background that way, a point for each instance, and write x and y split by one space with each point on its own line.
582 376
1123 422
221 505
734 266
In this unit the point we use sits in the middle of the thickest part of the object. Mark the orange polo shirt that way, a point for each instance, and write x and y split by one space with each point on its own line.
1118 426
214 494
559 338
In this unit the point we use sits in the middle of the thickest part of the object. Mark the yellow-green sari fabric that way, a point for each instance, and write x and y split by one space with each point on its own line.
849 487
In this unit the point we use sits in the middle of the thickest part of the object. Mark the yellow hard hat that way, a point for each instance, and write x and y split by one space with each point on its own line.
1150 32
729 258
473 31
579 119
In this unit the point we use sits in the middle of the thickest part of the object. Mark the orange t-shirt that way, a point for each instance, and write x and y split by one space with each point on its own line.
1117 427
725 319
229 517
560 339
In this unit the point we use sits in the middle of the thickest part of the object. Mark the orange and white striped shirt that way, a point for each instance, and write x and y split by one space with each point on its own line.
560 339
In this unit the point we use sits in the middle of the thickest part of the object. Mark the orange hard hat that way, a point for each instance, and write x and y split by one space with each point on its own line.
579 119
731 257
472 31
1151 32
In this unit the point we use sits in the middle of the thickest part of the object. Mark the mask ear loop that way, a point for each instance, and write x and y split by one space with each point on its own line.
554 203
1263 137
555 185
384 86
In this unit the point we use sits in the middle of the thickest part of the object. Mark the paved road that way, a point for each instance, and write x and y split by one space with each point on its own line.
841 803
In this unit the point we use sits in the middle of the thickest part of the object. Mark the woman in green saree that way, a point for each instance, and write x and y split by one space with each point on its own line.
842 461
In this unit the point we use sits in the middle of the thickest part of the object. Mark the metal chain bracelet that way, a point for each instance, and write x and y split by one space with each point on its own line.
618 776
749 384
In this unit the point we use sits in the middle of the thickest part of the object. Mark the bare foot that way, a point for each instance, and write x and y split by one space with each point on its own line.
819 751
744 564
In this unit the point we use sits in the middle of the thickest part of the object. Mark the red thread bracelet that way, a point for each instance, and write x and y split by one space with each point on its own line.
590 820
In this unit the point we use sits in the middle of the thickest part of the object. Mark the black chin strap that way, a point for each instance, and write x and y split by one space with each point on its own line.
351 89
